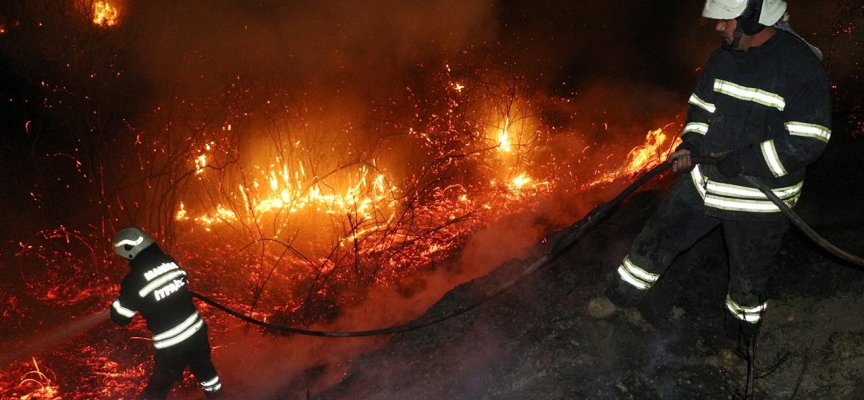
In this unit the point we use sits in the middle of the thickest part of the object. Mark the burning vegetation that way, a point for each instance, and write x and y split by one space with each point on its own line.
289 199
104 14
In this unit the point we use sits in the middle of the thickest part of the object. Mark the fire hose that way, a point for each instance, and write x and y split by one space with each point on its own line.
564 240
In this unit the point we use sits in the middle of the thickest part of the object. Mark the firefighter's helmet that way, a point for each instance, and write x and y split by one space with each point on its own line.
752 15
130 241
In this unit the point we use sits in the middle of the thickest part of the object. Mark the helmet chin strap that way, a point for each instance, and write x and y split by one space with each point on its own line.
736 39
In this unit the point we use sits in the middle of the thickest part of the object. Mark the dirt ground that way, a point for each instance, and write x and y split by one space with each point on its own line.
537 341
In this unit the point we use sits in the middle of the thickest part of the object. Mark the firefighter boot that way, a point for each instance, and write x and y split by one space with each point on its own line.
601 307
623 294
617 295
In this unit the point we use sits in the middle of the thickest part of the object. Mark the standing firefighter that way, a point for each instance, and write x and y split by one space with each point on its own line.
763 108
156 288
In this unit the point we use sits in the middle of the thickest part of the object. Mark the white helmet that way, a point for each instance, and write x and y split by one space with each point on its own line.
761 12
130 241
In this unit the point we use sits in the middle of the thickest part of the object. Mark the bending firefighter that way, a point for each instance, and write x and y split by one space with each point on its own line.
763 107
156 288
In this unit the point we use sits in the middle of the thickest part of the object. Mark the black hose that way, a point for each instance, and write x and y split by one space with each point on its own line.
797 221
564 239
416 324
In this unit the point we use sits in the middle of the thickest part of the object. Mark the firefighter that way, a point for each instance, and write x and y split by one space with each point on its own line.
762 107
156 288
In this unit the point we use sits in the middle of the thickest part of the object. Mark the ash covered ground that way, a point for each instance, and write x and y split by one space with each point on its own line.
536 341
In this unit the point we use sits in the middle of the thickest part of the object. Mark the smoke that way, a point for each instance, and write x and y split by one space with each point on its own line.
199 46
263 366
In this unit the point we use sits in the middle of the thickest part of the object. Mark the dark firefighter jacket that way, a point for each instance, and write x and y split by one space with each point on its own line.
156 288
770 108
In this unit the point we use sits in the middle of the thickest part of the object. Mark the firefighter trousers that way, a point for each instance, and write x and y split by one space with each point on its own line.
169 364
678 224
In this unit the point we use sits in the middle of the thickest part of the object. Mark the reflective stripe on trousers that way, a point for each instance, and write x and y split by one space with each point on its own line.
212 385
635 276
748 314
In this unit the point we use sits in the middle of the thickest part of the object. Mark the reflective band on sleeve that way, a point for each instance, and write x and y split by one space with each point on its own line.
178 333
748 314
809 130
122 310
636 276
769 152
697 127
212 385
755 95
161 281
696 101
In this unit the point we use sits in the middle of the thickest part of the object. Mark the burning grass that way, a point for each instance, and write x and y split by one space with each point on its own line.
292 206
312 211
296 227
265 275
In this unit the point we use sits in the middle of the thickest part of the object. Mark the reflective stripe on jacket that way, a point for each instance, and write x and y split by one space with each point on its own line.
771 105
731 197
156 288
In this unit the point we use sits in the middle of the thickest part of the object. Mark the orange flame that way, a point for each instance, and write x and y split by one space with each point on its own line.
650 153
503 139
104 14
276 190
643 156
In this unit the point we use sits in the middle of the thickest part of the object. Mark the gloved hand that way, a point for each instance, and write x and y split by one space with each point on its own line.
730 165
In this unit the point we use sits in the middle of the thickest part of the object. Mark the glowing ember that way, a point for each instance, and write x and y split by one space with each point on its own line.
104 14
200 163
42 386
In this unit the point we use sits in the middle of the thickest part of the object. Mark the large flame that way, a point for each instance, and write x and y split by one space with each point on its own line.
283 194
